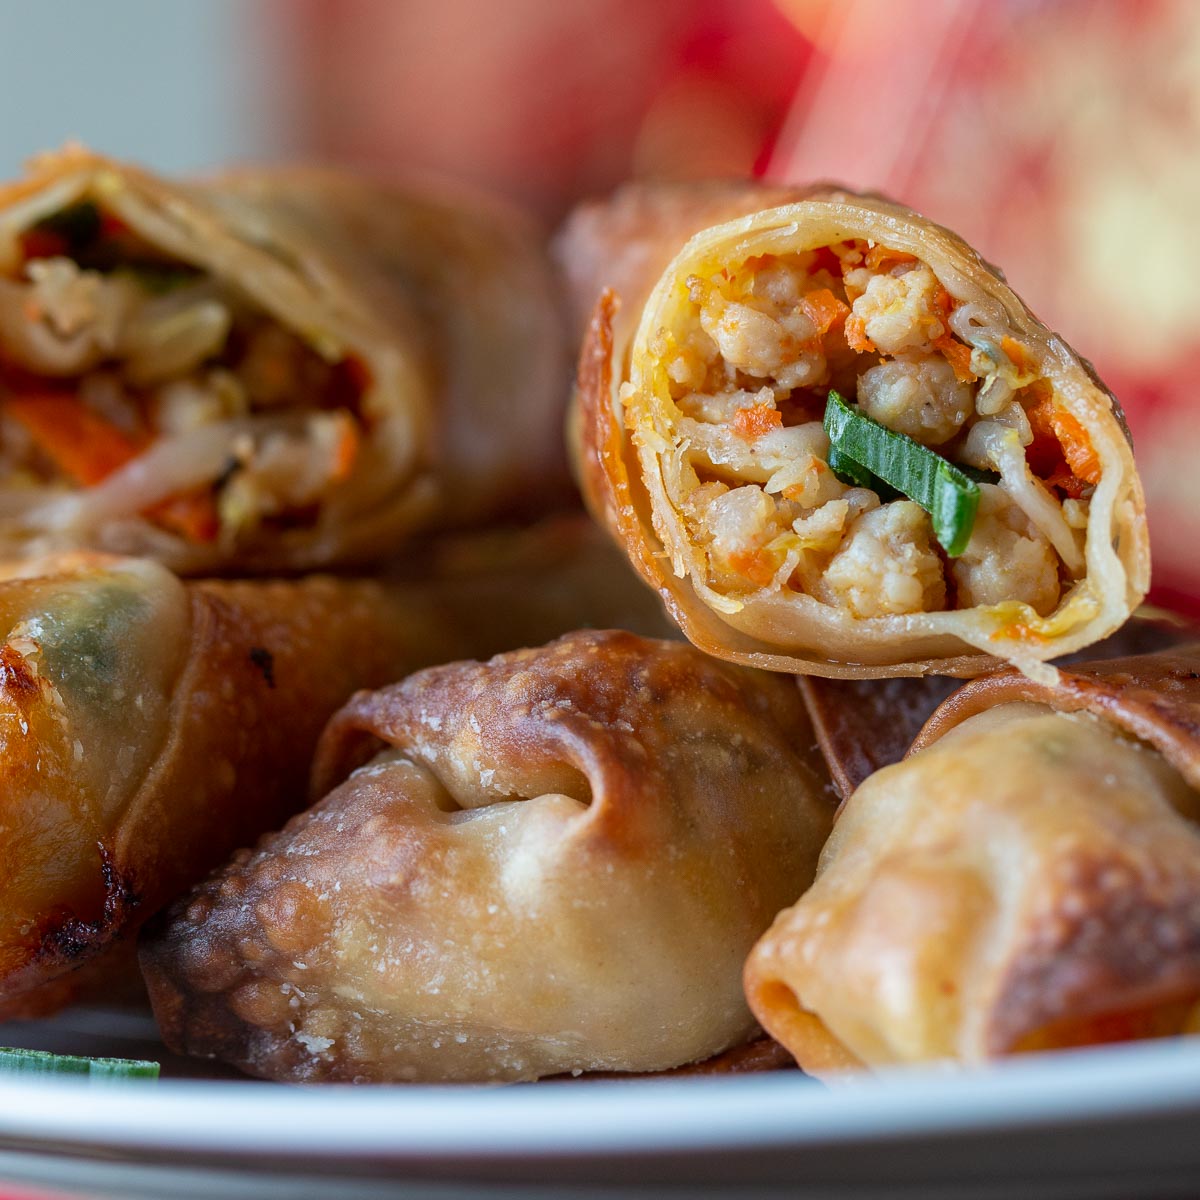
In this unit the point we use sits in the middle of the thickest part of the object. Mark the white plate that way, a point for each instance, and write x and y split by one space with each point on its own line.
1119 1122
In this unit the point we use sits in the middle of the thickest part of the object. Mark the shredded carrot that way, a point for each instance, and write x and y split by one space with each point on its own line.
880 258
1016 354
958 356
1041 411
1052 424
751 423
347 450
80 443
192 514
758 565
856 335
943 303
824 309
1077 446
87 449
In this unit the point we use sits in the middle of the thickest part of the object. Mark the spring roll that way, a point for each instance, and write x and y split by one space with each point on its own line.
148 727
838 444
863 725
1027 878
276 370
552 862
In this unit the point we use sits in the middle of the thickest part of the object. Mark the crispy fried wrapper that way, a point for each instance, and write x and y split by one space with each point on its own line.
1027 878
150 727
553 862
698 436
274 370
863 725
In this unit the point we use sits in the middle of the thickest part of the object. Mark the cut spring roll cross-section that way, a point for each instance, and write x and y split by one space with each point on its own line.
149 727
273 370
1027 878
555 861
838 444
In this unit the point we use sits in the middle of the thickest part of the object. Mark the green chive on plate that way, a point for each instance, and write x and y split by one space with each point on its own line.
42 1062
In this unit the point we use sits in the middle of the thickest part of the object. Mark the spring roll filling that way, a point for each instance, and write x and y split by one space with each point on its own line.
746 375
109 349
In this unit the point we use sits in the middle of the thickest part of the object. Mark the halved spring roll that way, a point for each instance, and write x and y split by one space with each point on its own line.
555 861
274 370
1027 878
838 444
150 727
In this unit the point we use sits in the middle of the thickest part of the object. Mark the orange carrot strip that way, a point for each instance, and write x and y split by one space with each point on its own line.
880 258
759 566
958 356
80 443
751 423
824 309
1077 446
1016 354
192 514
348 446
856 335
1061 454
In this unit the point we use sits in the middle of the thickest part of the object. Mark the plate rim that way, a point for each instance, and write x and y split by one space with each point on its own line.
417 1122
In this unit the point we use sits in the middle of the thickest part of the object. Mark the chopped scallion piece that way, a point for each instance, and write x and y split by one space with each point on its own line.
42 1062
854 474
936 484
851 473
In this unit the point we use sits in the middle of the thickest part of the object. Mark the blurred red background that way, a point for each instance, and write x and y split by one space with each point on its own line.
1060 137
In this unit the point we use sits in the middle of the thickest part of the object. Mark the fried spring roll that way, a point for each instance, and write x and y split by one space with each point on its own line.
551 862
863 725
150 727
1027 878
276 370
983 499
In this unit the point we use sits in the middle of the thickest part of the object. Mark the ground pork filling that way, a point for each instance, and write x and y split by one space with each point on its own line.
110 352
749 376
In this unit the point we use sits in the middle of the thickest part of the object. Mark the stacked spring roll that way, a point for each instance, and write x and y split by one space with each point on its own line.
838 444
277 370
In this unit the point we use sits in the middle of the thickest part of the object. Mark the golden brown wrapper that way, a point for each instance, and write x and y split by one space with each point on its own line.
149 727
630 459
444 301
1027 878
557 864
864 725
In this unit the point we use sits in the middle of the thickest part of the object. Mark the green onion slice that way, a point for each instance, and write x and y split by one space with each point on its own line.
854 474
42 1062
944 491
851 473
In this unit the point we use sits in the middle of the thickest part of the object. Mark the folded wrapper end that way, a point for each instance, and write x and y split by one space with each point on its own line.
1022 880
865 725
